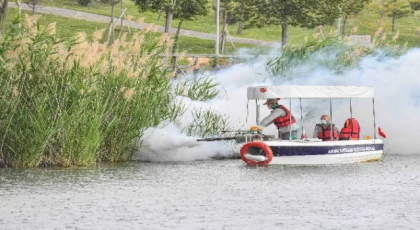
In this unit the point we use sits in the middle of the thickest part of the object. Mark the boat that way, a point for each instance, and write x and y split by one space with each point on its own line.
260 149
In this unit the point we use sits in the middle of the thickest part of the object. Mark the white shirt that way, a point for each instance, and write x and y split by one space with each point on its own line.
277 112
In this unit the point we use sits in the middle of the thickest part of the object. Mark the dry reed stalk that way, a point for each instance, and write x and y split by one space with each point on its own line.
354 29
51 28
128 95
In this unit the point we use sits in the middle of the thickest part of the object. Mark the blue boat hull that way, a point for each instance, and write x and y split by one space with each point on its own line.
323 150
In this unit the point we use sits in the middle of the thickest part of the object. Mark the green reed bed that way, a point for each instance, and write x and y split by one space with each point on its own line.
75 102
332 53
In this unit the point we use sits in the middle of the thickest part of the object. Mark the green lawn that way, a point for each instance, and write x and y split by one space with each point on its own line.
67 27
409 27
203 24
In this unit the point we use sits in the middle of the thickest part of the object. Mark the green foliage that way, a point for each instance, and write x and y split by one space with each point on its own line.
77 102
397 8
65 102
415 4
207 123
304 13
352 7
152 5
330 53
84 2
188 10
201 89
181 9
293 56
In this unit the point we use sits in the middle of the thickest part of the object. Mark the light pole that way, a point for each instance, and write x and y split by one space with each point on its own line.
217 28
339 23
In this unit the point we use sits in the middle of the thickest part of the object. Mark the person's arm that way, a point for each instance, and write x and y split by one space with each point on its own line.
270 118
337 129
316 131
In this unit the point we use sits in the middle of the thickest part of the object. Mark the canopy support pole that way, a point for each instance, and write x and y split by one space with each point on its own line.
290 120
331 123
247 111
374 119
258 112
351 110
301 115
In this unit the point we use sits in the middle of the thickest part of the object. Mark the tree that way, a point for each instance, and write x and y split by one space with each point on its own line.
3 11
84 2
397 9
237 11
226 8
111 23
415 4
158 6
351 7
32 4
303 13
187 10
240 15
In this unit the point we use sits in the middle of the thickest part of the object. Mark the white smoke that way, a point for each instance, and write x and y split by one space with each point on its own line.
170 144
397 86
397 96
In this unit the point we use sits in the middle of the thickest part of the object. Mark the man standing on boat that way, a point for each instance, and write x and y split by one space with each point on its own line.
282 119
323 130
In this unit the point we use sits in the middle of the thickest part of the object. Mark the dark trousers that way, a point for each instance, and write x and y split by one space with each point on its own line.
286 136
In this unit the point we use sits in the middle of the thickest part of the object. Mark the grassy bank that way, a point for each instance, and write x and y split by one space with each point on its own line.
366 21
68 28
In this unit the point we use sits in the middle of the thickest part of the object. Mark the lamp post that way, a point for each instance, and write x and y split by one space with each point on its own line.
217 29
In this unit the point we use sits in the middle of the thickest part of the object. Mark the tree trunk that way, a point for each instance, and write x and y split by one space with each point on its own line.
169 15
122 17
160 13
284 33
33 6
3 11
393 24
111 26
112 21
240 28
224 33
18 4
344 25
339 23
175 47
241 21
382 12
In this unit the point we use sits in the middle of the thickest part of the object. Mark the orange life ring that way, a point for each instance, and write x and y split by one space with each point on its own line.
267 150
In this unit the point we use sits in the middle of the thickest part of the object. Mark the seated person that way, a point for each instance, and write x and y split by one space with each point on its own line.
350 131
323 130
282 119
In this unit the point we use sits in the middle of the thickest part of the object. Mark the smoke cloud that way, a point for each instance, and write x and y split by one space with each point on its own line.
397 99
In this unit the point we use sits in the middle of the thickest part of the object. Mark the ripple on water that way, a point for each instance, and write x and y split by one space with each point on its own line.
215 194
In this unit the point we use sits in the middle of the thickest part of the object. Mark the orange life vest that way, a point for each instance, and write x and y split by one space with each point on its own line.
351 130
325 133
281 122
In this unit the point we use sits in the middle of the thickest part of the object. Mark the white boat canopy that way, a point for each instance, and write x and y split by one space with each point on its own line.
266 92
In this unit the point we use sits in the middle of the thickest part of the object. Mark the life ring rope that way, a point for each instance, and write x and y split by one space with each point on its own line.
257 144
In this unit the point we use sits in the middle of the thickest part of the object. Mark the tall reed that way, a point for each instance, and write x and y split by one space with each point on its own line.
77 102
332 53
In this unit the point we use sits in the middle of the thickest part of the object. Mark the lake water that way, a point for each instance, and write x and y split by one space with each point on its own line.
214 194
